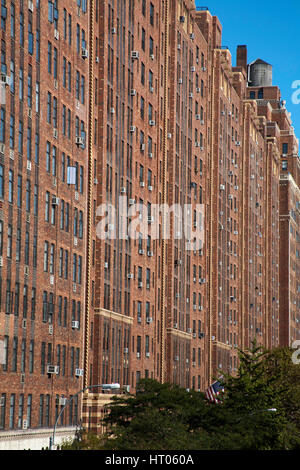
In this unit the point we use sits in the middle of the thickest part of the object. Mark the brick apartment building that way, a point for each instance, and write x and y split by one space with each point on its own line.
112 109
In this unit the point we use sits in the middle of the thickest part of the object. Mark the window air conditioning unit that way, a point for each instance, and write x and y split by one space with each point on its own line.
5 79
193 69
192 36
52 369
152 56
113 30
28 165
138 355
126 350
97 60
142 148
222 187
133 92
55 201
150 254
140 284
130 276
149 320
238 144
84 53
147 354
150 188
2 148
75 325
135 55
1 261
62 401
50 330
106 265
79 372
180 81
132 128
151 123
191 95
79 141
197 117
30 5
198 90
123 190
203 69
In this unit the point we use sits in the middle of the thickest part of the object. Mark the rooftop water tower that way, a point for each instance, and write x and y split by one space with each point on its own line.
260 74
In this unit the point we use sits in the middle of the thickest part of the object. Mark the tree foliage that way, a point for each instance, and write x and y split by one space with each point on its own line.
259 410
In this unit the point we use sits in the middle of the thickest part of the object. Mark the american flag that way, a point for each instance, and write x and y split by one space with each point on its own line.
214 391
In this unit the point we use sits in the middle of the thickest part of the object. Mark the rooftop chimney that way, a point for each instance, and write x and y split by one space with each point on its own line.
241 57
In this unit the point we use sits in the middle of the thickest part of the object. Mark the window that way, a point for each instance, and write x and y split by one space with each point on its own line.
55 63
142 107
37 44
14 354
9 241
151 14
26 256
30 38
23 355
28 194
21 84
17 298
10 185
37 148
18 245
143 74
19 192
37 97
12 20
2 125
47 206
143 39
20 144
12 411
285 148
151 46
260 94
29 87
49 100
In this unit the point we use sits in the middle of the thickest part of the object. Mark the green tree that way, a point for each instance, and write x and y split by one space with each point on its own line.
259 410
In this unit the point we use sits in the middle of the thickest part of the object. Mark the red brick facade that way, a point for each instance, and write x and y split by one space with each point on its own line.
166 119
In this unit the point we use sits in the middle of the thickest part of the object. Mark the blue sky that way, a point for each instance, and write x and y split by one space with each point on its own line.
271 31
